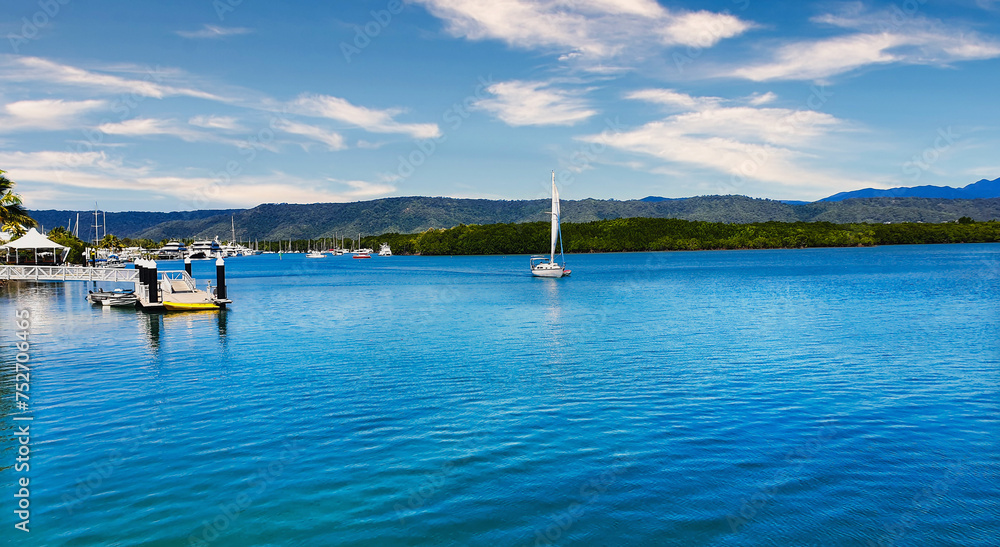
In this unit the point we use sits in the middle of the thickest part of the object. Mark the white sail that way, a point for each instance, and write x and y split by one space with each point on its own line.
555 217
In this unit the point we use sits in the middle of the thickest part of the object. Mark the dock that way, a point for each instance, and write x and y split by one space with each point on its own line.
171 285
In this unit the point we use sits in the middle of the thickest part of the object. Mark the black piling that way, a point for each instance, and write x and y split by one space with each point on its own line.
154 284
187 266
140 268
220 280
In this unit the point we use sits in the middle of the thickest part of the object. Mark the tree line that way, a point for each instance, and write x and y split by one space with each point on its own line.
667 234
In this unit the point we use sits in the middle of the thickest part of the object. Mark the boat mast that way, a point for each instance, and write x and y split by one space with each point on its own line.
97 226
555 220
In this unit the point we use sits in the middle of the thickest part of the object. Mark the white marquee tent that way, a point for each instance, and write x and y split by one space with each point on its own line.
34 241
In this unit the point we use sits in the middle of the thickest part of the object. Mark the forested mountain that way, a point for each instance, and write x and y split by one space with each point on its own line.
123 224
417 214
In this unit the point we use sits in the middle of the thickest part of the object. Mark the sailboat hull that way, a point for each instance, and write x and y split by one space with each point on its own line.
547 272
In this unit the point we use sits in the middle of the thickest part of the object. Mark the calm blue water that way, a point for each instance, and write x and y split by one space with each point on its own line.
811 397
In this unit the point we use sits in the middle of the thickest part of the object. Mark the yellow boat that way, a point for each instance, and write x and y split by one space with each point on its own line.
193 306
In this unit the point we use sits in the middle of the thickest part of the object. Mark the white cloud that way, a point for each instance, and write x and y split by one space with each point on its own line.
702 28
745 142
589 31
817 60
46 114
213 31
334 141
882 38
520 103
758 99
369 119
225 123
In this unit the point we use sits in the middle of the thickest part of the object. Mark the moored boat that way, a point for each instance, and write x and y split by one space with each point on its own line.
171 251
120 300
205 249
117 297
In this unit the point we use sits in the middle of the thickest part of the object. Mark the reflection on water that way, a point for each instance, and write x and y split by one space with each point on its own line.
149 324
553 302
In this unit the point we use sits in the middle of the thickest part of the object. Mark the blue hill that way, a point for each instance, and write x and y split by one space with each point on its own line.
977 190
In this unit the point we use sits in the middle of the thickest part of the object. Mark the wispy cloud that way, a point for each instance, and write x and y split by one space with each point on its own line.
520 103
55 176
154 127
213 32
35 69
366 189
46 114
882 38
333 140
144 127
369 119
671 98
587 31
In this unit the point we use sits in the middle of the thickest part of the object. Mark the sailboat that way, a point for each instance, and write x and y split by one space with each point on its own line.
546 266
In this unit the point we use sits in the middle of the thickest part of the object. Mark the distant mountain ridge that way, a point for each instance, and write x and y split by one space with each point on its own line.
983 189
417 214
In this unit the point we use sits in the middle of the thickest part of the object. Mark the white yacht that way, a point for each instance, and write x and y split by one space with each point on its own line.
205 249
384 250
171 251
546 266
114 261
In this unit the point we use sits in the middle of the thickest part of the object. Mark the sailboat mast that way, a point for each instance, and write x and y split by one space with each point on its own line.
555 220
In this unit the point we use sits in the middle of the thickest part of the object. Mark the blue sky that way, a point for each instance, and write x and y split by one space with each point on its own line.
232 103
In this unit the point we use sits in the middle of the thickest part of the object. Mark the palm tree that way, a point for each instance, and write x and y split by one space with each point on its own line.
14 218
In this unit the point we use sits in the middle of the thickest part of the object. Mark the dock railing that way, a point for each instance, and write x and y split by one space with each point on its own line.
24 272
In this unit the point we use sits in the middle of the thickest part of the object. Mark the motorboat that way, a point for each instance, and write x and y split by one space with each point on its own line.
120 300
117 297
384 250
